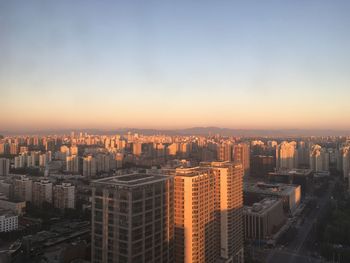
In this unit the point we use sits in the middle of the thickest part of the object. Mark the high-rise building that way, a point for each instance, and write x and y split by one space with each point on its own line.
44 159
4 148
13 148
229 204
286 156
319 158
196 230
4 166
241 154
346 163
132 219
208 213
224 151
137 148
20 161
72 164
173 149
64 196
89 166
23 189
303 154
105 162
42 192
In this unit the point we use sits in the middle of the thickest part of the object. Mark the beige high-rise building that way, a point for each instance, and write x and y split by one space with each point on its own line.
196 230
173 149
23 189
241 154
229 194
225 151
137 148
133 219
64 196
42 192
4 166
208 213
286 156
14 148
319 158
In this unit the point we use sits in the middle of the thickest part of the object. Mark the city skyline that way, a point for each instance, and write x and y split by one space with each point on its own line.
174 65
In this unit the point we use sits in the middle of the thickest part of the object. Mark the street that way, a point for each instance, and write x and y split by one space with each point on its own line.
295 251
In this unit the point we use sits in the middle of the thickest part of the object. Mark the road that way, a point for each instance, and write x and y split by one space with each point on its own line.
295 252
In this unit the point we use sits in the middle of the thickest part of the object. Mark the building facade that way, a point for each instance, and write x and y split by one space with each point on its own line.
133 219
64 196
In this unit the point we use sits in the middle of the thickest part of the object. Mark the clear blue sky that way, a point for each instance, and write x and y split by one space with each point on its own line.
170 64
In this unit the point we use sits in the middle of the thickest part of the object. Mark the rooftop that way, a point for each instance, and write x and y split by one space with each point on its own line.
224 164
291 172
193 171
135 179
264 188
262 206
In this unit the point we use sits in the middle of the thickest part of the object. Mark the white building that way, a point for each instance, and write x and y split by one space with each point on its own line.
8 221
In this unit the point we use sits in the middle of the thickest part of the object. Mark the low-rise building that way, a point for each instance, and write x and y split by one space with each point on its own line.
8 221
16 207
289 194
263 219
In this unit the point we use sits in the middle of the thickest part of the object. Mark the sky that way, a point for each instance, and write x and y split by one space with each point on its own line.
174 64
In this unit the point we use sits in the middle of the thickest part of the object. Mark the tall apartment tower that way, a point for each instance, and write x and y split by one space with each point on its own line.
319 158
224 152
4 166
196 229
89 166
42 192
286 156
64 196
72 164
229 185
133 219
23 189
208 213
241 154
303 154
137 148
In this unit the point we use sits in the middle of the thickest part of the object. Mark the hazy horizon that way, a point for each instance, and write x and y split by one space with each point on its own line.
257 65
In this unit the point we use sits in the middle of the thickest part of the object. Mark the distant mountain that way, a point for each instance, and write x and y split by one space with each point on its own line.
195 131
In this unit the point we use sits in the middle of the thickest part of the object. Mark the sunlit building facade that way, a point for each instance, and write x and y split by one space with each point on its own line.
286 155
208 213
